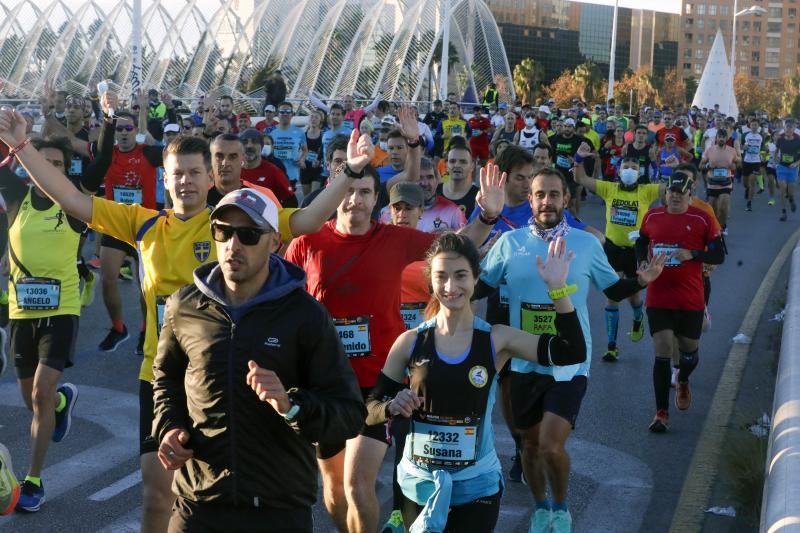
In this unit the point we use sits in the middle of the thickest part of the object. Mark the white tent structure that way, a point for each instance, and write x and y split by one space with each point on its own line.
716 83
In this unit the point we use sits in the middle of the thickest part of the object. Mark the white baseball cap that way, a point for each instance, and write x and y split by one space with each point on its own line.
255 204
569 122
544 109
172 128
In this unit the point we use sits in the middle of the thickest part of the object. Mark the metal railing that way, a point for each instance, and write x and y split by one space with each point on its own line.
780 509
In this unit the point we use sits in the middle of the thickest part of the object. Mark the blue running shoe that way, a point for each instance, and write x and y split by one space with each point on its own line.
64 418
31 497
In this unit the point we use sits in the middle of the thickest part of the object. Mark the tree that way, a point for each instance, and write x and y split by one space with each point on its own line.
563 89
673 89
690 87
646 91
259 77
589 80
748 92
528 75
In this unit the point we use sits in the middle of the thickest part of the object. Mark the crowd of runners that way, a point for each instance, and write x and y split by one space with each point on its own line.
308 287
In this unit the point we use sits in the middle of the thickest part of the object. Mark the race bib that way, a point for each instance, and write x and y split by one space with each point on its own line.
127 195
76 167
787 159
455 130
354 335
349 124
615 161
562 161
38 294
642 170
161 302
413 314
538 318
444 441
753 149
284 152
668 249
312 156
624 216
476 133
720 172
720 176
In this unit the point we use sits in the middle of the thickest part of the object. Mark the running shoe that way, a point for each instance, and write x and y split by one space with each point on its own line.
540 521
31 497
94 263
784 217
9 486
561 522
638 330
611 355
113 340
126 273
140 344
660 423
706 320
771 201
749 206
725 230
3 350
64 418
792 205
515 473
683 396
87 294
394 524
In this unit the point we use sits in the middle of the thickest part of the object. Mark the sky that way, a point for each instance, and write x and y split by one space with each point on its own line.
666 6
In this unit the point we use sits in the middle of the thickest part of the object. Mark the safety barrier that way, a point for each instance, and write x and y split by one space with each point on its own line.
780 510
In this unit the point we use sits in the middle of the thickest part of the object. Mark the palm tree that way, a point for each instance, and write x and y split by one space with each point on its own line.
589 78
528 76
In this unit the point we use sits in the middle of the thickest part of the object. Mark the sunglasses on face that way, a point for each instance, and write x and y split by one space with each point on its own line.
126 127
187 127
247 236
284 112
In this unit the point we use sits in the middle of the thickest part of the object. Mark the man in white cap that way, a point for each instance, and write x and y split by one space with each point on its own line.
247 331
267 125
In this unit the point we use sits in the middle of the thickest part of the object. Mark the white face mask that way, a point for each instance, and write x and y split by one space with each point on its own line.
517 109
266 151
530 122
384 145
628 176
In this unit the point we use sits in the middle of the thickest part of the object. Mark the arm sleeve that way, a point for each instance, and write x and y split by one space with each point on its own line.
374 105
566 348
642 246
154 155
319 104
378 399
95 172
331 406
169 369
622 289
714 254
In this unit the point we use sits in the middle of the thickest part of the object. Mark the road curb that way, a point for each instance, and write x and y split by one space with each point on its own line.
702 473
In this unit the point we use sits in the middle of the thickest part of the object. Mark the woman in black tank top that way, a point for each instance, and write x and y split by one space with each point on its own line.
453 360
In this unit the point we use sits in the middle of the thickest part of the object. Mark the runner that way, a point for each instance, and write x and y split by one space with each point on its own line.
480 127
311 173
530 135
451 442
720 162
289 144
508 131
172 244
640 150
626 204
258 171
354 267
44 306
460 168
566 143
336 126
545 400
453 126
752 165
669 156
675 301
352 116
788 158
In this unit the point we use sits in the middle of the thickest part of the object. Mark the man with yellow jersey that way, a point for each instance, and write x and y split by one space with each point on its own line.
627 202
44 305
171 244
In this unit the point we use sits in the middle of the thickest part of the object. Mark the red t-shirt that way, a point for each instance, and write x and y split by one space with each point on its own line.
131 179
478 136
680 285
270 176
680 136
357 278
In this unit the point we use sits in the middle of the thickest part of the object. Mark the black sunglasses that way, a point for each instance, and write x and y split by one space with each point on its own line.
126 127
247 236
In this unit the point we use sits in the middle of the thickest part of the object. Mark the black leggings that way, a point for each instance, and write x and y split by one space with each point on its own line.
478 516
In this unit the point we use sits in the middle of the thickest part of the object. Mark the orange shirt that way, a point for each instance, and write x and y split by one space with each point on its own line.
381 158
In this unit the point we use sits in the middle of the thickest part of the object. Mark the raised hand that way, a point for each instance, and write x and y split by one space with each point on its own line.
492 195
109 102
554 272
584 150
360 151
12 127
648 272
409 123
141 98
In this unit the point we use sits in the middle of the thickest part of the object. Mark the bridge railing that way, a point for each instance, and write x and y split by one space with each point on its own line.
780 510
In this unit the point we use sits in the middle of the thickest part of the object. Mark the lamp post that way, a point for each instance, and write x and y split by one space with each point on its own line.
752 10
613 56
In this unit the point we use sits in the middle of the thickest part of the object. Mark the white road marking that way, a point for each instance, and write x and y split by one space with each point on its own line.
117 487
115 411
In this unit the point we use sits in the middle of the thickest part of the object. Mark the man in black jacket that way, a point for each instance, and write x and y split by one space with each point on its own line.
249 374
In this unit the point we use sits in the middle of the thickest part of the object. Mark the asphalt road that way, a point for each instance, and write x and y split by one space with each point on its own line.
623 477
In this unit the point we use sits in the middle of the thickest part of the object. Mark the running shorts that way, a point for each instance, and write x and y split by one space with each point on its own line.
751 168
681 322
477 516
49 341
116 244
195 517
621 258
715 193
786 174
533 394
